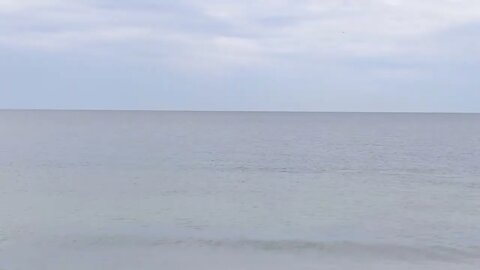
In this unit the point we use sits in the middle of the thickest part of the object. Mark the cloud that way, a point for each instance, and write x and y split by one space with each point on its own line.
17 5
227 33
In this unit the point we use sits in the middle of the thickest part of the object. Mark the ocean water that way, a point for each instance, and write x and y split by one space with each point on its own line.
216 190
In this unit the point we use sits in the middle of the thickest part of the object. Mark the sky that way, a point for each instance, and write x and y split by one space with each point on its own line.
262 55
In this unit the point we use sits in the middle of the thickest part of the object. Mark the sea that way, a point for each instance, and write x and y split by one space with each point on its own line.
145 190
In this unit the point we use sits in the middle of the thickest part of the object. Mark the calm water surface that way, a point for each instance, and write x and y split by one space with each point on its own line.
185 190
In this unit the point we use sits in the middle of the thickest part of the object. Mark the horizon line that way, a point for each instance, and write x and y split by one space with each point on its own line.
227 111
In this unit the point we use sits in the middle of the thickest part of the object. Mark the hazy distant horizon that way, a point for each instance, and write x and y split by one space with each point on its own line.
232 111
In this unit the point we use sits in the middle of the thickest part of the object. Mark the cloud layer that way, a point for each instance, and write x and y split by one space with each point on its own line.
235 32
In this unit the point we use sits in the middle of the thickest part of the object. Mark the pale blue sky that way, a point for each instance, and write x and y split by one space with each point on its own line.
294 55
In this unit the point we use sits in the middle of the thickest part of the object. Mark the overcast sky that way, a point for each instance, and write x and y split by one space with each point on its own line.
293 55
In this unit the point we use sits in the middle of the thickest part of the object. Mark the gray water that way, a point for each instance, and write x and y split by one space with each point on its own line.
189 190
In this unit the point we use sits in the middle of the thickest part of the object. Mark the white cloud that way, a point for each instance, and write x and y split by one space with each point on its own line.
64 40
236 33
18 5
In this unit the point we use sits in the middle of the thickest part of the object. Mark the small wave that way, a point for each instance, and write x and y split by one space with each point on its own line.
350 249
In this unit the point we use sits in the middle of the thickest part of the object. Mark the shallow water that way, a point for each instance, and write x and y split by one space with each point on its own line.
184 190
